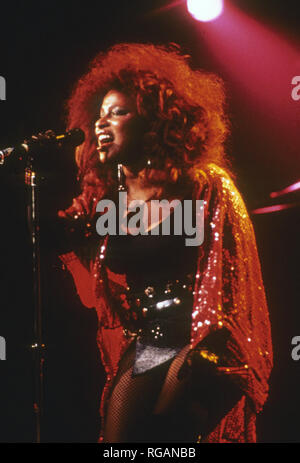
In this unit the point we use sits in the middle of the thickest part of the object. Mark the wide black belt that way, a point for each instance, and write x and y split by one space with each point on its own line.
164 305
159 319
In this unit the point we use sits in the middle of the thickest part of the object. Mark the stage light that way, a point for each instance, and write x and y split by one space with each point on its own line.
205 10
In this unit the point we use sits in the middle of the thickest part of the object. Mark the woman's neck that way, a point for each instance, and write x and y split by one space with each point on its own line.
137 187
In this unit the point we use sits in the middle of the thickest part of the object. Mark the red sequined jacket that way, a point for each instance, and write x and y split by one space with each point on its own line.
228 294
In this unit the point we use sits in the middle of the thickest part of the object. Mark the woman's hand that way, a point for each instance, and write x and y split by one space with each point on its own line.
198 362
78 208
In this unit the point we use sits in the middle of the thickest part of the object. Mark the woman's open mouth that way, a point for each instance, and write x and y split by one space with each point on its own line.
104 141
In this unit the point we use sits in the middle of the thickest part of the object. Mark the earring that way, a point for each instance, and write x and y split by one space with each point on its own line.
121 186
149 163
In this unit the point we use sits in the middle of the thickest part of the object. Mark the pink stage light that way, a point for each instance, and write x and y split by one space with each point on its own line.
205 10
275 208
288 189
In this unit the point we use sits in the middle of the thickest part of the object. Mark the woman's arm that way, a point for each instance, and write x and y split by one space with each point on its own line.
68 235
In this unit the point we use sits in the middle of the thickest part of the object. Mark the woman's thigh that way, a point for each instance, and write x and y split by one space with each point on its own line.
176 412
151 407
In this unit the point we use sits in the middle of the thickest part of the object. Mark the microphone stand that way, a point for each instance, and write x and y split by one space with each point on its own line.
37 347
25 153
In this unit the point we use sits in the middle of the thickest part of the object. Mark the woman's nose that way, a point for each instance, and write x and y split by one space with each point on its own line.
101 123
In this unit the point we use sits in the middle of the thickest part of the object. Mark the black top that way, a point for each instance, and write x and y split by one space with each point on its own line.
151 259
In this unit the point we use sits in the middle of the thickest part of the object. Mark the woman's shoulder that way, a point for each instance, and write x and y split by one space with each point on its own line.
213 177
218 176
220 188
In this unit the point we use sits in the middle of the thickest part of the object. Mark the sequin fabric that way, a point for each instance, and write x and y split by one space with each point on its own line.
228 297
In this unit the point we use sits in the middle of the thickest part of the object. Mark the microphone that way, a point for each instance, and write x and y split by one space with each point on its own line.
73 137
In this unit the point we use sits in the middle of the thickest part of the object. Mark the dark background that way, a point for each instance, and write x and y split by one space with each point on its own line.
45 47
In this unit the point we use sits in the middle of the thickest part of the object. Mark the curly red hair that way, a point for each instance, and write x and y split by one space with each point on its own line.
183 108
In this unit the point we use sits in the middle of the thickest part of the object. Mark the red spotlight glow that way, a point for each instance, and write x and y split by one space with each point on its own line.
260 63
205 10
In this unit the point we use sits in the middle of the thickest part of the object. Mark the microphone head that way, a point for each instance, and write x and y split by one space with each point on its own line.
74 137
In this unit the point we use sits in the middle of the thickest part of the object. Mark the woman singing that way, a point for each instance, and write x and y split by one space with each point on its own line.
183 331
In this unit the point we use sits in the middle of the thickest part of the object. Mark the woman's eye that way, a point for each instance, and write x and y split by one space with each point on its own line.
119 112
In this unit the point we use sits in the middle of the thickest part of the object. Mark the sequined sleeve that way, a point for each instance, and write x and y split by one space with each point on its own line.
229 295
